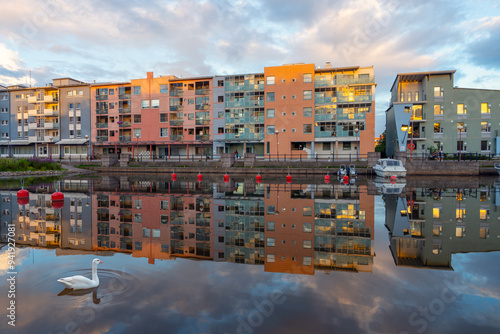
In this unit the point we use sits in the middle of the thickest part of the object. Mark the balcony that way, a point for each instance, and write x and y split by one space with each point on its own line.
45 112
124 124
101 125
204 106
203 121
125 138
44 126
203 137
125 110
124 96
102 138
177 92
45 99
202 92
102 111
176 122
176 137
101 97
176 108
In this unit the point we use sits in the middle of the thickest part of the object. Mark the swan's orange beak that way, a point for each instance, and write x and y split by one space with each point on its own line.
100 261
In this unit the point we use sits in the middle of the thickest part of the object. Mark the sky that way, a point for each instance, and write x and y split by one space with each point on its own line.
118 41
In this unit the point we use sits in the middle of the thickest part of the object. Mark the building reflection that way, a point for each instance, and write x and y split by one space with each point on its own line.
288 228
428 225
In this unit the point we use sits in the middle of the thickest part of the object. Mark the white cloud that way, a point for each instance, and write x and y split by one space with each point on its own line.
10 59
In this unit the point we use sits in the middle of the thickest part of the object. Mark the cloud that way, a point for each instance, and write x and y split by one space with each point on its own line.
485 49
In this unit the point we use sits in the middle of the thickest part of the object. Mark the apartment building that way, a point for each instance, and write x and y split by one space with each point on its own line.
428 112
5 121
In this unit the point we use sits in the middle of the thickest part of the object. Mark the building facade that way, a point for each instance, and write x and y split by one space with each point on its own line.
427 112
5 122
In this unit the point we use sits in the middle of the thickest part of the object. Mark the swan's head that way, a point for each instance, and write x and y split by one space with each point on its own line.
96 262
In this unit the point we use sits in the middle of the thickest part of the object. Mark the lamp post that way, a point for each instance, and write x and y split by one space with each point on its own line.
277 145
50 147
460 128
137 143
8 147
88 150
356 131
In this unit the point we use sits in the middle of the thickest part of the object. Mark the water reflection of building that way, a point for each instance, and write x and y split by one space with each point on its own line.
427 226
39 224
290 228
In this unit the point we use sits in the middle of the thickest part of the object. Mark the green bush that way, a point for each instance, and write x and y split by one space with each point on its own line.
31 164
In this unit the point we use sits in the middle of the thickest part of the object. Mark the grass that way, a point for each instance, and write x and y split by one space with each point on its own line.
29 165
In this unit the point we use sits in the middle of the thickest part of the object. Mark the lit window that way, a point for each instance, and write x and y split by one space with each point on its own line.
438 110
438 92
483 213
485 109
461 110
435 213
270 80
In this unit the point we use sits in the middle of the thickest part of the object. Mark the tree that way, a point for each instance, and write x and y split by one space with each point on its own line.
381 146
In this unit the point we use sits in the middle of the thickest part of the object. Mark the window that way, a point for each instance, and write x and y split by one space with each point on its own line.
145 104
484 145
163 118
416 96
308 78
163 132
307 211
293 97
461 110
270 242
308 95
220 114
437 128
163 89
435 213
485 109
270 258
220 99
155 104
307 112
270 226
461 125
220 83
270 80
270 130
327 146
346 146
191 117
137 119
438 92
409 96
270 113
307 261
438 109
307 128
485 127
137 132
270 97
283 97
137 90
307 244
283 113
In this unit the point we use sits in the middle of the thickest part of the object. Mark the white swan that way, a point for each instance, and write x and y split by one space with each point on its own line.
79 282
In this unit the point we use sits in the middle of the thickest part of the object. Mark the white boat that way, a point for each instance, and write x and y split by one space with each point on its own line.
342 171
352 170
389 167
497 167
393 187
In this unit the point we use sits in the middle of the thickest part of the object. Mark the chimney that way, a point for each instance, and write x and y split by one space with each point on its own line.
328 65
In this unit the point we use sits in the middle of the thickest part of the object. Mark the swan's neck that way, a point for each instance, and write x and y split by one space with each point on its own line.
94 273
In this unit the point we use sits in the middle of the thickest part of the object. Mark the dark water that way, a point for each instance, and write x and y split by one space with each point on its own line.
189 257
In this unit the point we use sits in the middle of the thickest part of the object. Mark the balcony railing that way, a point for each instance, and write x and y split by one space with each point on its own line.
203 137
101 111
124 96
176 122
202 92
176 92
125 125
125 110
125 138
204 121
101 97
176 108
176 137
102 138
101 125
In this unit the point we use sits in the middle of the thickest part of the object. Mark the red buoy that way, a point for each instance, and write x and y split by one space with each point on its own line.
174 176
259 178
23 200
345 179
57 204
23 193
393 177
200 177
226 178
57 196
288 178
327 178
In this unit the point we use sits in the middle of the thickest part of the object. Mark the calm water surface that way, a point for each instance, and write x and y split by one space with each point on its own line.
241 257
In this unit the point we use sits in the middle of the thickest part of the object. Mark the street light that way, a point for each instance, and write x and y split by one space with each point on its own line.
460 128
277 145
137 143
50 147
88 150
356 130
8 147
